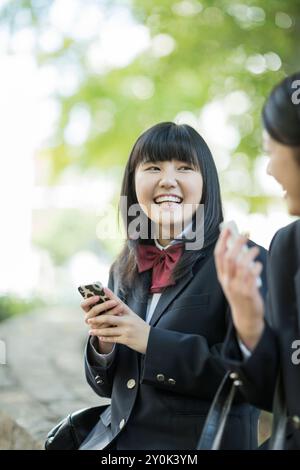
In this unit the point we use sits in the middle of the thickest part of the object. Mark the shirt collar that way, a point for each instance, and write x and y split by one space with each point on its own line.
178 239
160 247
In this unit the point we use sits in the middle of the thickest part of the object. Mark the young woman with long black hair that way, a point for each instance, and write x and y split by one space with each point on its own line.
156 350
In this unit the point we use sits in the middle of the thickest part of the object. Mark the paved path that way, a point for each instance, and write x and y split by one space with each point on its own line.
43 379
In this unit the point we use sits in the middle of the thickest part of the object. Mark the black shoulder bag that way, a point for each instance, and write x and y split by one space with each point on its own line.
72 430
214 425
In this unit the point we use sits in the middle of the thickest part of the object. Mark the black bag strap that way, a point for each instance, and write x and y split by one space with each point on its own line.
215 422
277 439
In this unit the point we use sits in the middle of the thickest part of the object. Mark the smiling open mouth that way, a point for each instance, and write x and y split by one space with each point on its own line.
168 200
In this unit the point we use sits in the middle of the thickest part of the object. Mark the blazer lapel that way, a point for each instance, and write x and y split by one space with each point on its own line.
171 293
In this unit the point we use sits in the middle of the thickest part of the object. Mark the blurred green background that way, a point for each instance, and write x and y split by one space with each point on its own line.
81 79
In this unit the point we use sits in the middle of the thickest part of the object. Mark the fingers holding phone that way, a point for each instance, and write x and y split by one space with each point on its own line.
97 302
95 309
89 303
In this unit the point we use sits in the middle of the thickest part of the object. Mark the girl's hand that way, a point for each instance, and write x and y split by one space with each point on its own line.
237 273
120 325
91 310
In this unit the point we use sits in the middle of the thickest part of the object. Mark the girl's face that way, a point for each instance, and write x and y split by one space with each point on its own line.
169 192
285 169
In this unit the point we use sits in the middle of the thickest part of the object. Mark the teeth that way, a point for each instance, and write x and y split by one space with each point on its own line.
168 199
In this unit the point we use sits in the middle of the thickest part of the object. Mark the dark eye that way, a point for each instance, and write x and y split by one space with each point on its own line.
185 167
152 168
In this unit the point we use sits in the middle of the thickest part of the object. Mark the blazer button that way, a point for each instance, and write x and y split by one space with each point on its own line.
160 377
172 381
122 423
237 383
296 421
99 380
233 375
131 383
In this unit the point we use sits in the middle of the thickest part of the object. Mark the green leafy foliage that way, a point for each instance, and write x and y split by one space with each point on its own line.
213 42
11 306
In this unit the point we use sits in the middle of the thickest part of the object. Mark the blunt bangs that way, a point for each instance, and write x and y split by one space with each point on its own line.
164 142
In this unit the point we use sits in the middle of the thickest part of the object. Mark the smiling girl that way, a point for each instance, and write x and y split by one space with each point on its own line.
154 348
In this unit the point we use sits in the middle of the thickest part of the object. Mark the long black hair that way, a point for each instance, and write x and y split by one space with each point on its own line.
281 112
168 141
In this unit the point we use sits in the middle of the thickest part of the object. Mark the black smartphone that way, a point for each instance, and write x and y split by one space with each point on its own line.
89 290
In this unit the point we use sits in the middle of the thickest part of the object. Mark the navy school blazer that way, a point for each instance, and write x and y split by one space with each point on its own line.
276 349
160 399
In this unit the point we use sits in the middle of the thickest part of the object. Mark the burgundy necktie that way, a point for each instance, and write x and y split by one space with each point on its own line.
162 262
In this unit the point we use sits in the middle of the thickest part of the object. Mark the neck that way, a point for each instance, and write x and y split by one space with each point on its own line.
165 235
164 242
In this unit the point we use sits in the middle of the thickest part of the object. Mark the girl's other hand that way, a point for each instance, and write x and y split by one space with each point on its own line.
237 273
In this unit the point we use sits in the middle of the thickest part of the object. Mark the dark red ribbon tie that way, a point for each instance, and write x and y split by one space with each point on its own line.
162 263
